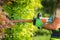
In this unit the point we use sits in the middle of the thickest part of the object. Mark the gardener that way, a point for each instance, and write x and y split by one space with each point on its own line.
55 25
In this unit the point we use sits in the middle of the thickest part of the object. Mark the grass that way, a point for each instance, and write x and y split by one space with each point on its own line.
42 35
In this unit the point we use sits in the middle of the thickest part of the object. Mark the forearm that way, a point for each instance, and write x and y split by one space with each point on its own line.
54 26
48 26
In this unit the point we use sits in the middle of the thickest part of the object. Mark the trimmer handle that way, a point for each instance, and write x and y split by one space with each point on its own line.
38 22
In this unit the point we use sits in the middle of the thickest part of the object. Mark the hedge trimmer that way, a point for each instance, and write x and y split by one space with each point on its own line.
36 21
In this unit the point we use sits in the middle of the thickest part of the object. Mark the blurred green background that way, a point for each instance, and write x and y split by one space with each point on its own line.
27 9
